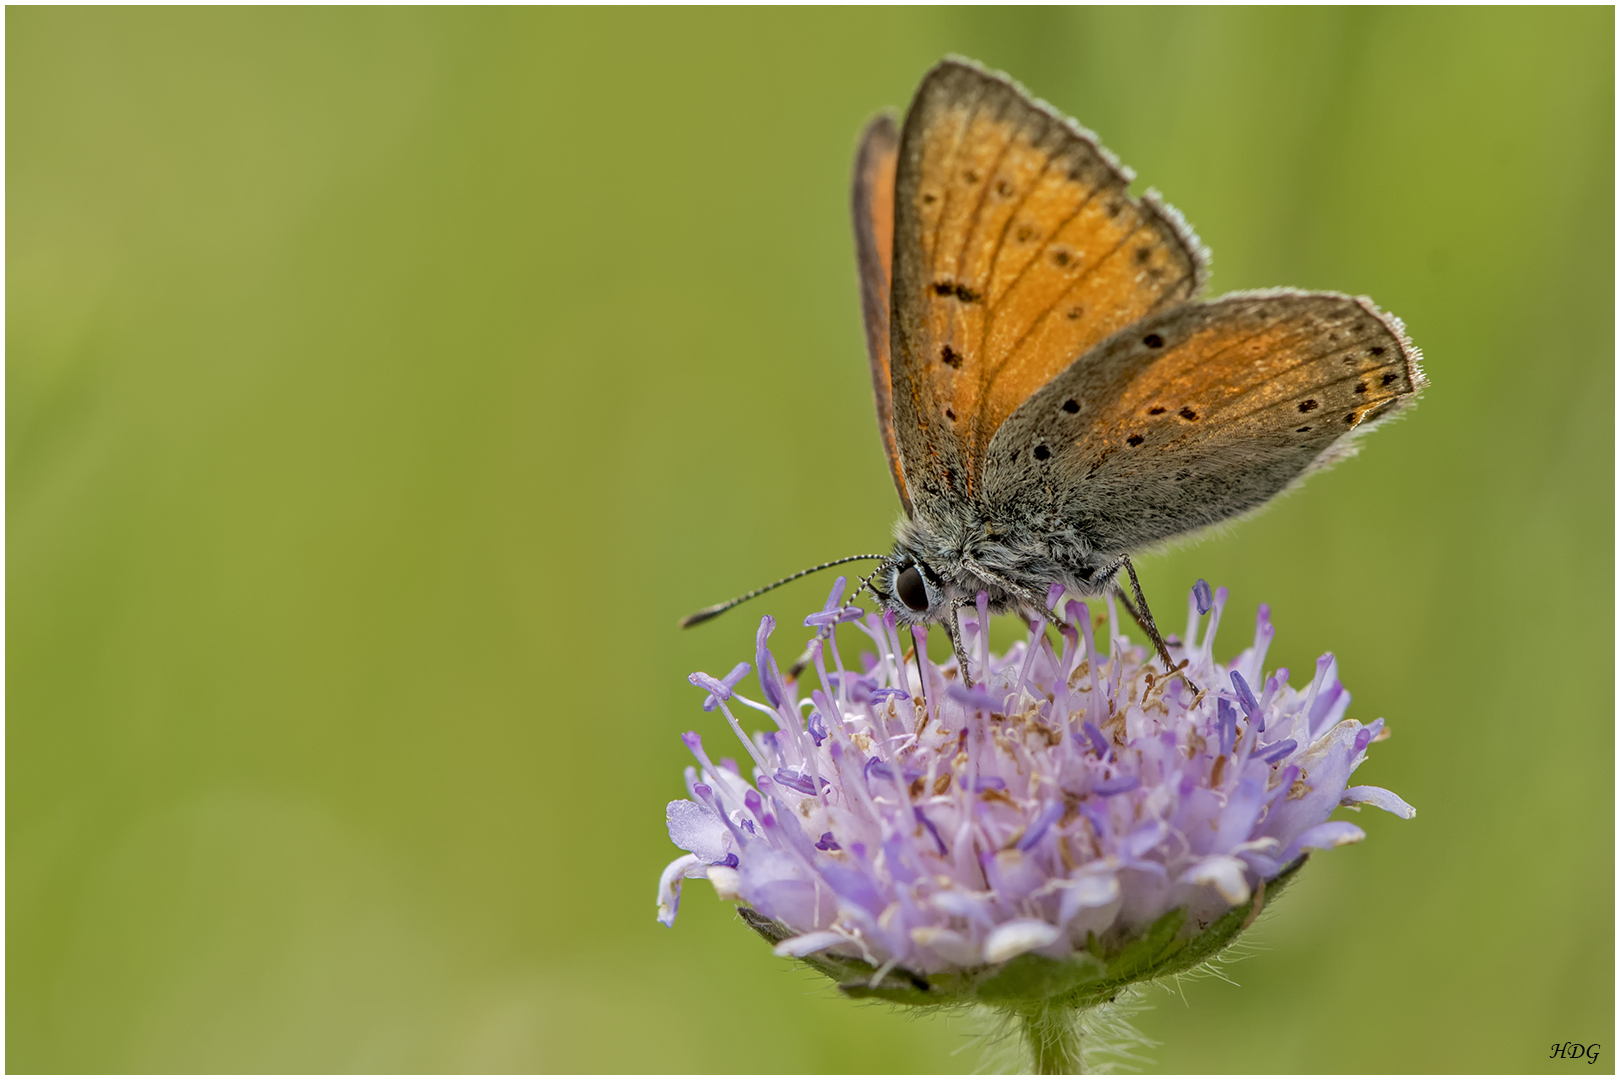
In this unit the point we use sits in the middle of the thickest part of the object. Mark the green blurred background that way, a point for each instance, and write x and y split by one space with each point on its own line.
383 384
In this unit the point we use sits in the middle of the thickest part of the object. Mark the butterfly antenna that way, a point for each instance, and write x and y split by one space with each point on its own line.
710 612
867 580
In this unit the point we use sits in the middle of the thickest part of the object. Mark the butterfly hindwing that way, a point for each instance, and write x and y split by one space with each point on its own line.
1017 248
1202 414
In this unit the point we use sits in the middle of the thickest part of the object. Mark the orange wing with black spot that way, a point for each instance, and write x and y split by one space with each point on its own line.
1202 414
1016 249
872 199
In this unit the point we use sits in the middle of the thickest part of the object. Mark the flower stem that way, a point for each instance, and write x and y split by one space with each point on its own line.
1052 1033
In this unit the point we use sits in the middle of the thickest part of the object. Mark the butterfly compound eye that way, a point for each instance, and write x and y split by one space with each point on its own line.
910 587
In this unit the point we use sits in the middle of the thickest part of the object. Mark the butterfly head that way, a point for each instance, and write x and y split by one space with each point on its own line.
910 590
922 580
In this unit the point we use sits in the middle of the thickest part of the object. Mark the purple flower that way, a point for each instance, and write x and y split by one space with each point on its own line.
1075 822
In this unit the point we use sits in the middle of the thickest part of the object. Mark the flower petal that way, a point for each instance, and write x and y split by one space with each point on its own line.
1016 938
1366 795
1330 834
805 944
950 945
669 887
1225 874
694 828
1087 892
726 881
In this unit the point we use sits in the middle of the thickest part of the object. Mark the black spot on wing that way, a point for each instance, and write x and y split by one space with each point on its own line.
1042 453
1153 341
1135 440
1307 405
1071 406
950 357
1188 413
962 292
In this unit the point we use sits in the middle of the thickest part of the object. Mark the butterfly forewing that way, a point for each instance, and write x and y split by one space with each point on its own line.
1202 414
872 204
1017 248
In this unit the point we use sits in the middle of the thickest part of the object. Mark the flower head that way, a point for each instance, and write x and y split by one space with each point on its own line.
1075 821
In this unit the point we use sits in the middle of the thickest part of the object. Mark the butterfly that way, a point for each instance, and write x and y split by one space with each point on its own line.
1051 394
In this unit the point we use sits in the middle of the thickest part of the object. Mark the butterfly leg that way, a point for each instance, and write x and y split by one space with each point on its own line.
954 631
1144 616
1034 602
